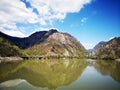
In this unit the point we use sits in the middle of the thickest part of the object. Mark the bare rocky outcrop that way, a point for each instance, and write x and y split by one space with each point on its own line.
108 50
58 44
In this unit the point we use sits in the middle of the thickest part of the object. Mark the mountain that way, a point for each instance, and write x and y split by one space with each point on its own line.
30 41
49 43
108 50
58 44
96 49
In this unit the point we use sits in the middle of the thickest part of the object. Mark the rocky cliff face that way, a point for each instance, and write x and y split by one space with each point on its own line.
49 43
108 50
58 44
95 50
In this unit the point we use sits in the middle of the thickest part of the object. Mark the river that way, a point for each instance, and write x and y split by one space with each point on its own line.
67 74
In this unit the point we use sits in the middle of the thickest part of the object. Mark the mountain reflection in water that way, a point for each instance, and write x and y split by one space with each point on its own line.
44 73
111 68
60 75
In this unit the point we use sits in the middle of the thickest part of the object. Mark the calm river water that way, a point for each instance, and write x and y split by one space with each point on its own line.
60 75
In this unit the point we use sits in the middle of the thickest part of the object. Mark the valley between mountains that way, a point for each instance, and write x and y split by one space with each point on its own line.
55 44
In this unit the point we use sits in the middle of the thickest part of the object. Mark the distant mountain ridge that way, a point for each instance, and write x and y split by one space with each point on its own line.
27 42
110 49
49 43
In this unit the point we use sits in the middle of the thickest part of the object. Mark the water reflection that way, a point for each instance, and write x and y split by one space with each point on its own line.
44 73
60 75
111 68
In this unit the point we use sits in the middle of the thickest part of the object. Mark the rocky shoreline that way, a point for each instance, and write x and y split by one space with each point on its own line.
118 59
16 58
7 59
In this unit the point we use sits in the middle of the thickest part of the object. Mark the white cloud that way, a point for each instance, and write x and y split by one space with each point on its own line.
15 11
83 20
57 9
12 12
14 33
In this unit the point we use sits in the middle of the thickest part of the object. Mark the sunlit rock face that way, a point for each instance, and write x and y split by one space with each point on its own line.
44 73
96 49
108 50
58 44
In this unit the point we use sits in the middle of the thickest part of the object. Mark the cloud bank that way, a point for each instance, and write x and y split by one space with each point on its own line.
35 11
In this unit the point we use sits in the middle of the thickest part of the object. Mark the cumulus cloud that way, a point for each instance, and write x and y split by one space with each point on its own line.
16 11
12 12
57 9
39 11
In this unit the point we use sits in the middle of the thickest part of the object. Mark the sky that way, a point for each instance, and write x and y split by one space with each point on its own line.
89 21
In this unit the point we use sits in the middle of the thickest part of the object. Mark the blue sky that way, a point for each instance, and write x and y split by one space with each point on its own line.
90 21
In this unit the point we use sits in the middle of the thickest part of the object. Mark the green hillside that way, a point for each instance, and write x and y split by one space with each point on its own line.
9 49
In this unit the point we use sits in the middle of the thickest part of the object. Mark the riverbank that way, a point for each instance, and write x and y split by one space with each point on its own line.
118 59
9 59
15 58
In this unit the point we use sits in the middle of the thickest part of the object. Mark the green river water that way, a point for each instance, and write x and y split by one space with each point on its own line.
73 74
